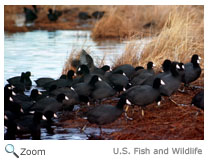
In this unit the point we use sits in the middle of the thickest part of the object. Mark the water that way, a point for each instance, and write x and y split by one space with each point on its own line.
44 54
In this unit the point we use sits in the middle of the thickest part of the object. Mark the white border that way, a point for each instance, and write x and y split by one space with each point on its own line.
101 151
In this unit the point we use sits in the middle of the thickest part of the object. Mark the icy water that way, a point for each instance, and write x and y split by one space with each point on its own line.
44 54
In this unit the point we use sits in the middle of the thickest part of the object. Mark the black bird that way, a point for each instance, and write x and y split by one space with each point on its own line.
30 14
50 103
172 80
143 95
30 124
198 100
84 16
53 15
105 114
42 81
98 14
118 80
126 68
143 75
85 89
192 70
61 82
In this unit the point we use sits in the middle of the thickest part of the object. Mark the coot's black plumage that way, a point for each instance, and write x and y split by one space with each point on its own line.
172 80
53 15
105 114
144 94
192 70
30 14
126 68
198 100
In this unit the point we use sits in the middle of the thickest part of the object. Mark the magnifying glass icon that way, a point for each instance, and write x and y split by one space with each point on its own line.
9 148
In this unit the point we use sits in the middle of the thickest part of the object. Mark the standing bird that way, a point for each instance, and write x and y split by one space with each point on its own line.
143 95
53 15
105 114
30 14
192 70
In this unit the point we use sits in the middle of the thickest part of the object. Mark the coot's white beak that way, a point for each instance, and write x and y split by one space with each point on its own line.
66 98
11 99
21 110
162 82
199 58
72 88
14 94
88 103
13 86
124 74
198 61
5 117
43 117
128 102
99 79
79 69
158 103
39 93
18 127
183 67
31 112
153 65
177 66
124 89
55 115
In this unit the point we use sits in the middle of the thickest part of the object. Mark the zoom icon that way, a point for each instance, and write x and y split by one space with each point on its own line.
9 148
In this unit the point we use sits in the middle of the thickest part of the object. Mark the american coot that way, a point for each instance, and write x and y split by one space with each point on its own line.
98 14
143 75
172 80
126 68
166 70
192 70
118 80
198 100
102 90
85 89
53 15
105 114
144 95
21 82
50 103
30 124
61 82
30 15
42 81
84 16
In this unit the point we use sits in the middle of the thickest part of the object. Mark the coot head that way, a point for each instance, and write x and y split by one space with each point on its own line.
82 69
70 74
157 83
166 65
150 65
61 97
195 60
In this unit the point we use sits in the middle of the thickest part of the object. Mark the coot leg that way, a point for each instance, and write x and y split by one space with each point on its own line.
126 115
100 128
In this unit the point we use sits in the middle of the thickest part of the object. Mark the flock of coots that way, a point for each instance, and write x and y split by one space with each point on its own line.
25 115
53 15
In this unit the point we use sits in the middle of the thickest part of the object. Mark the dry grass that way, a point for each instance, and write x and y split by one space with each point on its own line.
181 37
126 21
